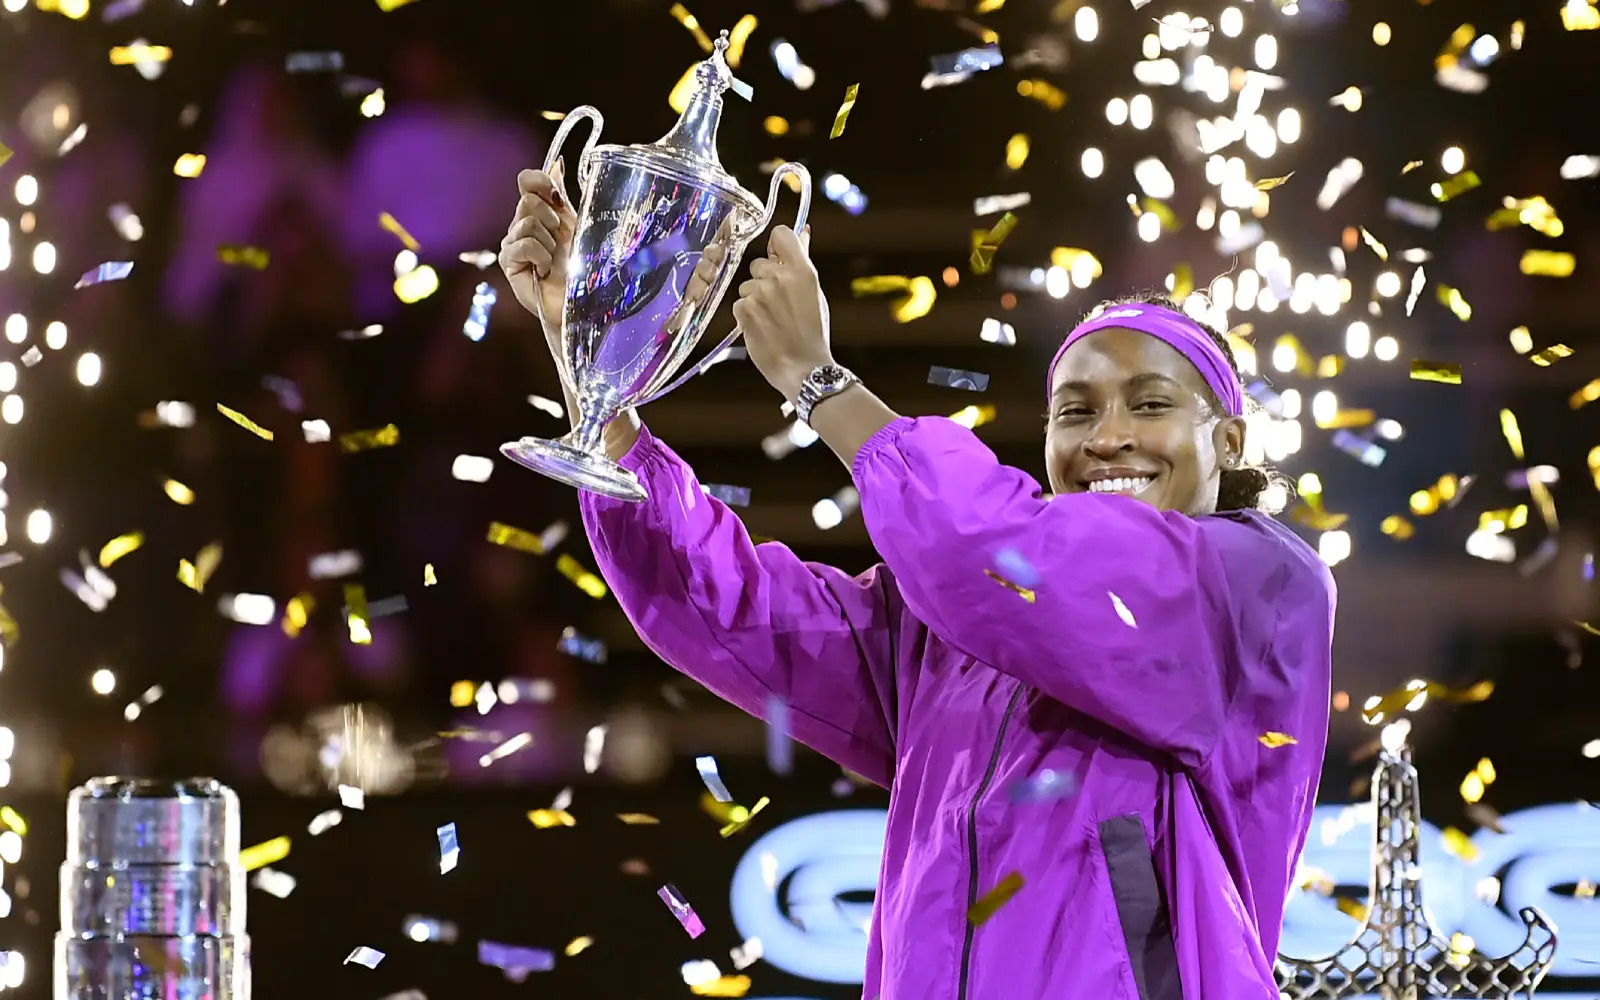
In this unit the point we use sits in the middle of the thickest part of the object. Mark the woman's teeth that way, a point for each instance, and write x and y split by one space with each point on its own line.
1121 485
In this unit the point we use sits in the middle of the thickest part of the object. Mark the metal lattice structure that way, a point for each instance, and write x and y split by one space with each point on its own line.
1397 954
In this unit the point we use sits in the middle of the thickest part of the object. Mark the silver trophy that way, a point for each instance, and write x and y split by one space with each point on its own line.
152 894
647 214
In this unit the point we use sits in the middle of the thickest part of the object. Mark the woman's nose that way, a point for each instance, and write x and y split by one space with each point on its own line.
1111 435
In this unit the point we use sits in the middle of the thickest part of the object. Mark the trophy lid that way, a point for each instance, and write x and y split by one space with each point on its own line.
694 138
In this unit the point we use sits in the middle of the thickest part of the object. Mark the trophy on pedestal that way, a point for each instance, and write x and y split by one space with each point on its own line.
152 894
647 214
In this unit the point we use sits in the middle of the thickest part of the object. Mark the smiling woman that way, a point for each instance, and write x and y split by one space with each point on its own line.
1147 402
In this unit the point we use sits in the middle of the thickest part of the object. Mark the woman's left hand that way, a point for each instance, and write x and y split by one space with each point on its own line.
783 313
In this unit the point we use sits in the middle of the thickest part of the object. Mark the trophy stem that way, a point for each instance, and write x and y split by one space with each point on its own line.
600 406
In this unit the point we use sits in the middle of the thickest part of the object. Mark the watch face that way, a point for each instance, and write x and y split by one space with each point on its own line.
827 375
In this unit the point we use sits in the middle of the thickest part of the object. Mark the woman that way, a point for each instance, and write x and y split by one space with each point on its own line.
1163 642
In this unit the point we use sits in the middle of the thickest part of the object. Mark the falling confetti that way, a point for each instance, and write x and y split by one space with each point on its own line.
114 270
681 909
990 902
245 422
362 955
843 116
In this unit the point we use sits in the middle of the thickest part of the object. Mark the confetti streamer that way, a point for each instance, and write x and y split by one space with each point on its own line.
954 378
114 270
843 114
707 766
1021 591
1548 263
5 153
983 254
392 225
263 854
1455 186
1446 372
1275 740
118 547
483 300
382 437
245 422
681 14
515 538
990 902
449 849
362 955
733 496
358 620
195 575
681 909
139 52
254 258
1550 355
544 819
580 577
516 962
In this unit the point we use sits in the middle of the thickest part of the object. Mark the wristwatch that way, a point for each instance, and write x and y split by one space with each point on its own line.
824 381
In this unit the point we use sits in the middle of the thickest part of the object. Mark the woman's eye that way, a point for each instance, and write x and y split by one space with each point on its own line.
1074 411
1152 405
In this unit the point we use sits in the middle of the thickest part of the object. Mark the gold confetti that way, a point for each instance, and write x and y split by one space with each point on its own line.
1314 517
991 901
1351 908
140 52
428 578
194 575
393 225
416 285
1268 183
387 5
917 302
119 546
1275 740
1446 491
741 817
1397 527
1584 396
183 495
1550 355
1372 241
245 422
577 945
585 580
296 613
1017 151
1459 844
688 20
382 437
775 125
1044 92
722 986
13 819
982 259
254 258
1415 694
190 165
1446 372
843 116
1410 166
515 538
544 819
638 819
5 153
1182 281
879 284
355 598
1512 432
1575 16
9 630
263 854
738 38
1548 263
1019 590
1452 299
1456 186
1536 213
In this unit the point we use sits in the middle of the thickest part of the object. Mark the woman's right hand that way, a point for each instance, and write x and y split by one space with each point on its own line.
536 248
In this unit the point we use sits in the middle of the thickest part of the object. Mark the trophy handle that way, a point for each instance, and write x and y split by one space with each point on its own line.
573 117
699 368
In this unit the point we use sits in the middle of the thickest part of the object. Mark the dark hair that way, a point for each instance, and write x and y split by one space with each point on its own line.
1248 487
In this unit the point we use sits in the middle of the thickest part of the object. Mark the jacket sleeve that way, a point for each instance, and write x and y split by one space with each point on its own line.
751 622
1151 622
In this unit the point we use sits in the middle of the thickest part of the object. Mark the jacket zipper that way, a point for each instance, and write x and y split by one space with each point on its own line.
972 840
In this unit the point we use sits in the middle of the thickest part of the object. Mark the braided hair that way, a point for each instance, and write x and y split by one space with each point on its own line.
1245 487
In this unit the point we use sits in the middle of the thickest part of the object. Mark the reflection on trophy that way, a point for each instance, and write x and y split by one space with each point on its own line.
647 214
152 893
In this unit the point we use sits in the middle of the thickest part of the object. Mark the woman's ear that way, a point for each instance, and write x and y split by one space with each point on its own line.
1229 442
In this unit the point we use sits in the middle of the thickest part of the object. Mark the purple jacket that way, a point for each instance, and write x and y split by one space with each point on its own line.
1158 652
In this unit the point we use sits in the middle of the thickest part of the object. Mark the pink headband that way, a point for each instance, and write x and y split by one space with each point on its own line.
1169 327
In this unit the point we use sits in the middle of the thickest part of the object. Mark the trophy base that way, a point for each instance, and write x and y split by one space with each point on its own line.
564 463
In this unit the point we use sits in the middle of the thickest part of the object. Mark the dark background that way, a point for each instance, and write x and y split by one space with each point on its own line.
1421 608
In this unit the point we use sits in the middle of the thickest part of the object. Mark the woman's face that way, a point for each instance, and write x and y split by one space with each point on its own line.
1129 414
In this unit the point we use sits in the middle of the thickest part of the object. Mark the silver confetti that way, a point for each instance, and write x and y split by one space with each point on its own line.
955 378
114 270
369 957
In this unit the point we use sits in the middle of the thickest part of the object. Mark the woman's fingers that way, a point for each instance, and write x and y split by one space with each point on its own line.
518 255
